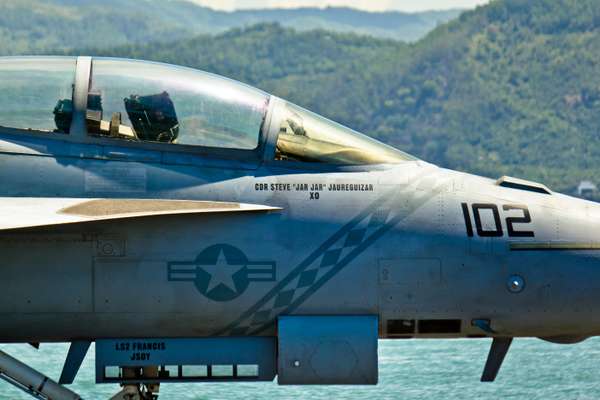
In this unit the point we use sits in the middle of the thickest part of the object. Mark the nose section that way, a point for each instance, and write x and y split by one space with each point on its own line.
566 253
577 224
549 280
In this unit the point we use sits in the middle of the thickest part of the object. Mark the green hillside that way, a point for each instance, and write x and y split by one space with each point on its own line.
390 24
513 87
37 26
339 75
509 88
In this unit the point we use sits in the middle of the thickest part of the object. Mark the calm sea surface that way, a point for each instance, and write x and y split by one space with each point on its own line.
411 369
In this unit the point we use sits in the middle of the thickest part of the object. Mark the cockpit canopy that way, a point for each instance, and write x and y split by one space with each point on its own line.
31 87
306 136
150 102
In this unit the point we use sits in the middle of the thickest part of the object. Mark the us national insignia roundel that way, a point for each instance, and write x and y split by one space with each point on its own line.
221 272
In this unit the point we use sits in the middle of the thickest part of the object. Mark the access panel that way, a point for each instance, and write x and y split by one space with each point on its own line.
185 360
327 350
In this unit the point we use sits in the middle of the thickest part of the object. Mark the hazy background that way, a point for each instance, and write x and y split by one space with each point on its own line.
367 5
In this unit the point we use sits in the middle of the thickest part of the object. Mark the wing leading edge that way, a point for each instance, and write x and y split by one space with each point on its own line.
22 213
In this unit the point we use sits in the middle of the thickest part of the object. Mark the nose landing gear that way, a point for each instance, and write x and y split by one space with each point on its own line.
139 391
135 392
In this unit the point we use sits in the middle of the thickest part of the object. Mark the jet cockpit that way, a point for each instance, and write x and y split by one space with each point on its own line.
140 101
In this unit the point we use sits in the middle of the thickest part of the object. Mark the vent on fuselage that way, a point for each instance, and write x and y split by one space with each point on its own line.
520 184
400 327
429 326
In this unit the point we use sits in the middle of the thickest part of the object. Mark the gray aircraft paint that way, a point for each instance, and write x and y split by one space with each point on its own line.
409 241
425 221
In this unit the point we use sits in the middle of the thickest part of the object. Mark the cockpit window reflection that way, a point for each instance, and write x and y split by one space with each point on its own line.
308 137
37 93
152 102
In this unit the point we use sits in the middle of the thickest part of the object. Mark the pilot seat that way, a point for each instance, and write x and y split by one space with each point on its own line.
153 117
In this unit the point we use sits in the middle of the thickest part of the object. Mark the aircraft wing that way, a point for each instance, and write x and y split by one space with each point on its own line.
21 213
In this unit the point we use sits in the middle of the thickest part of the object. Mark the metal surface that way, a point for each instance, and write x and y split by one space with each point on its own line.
106 237
39 212
327 350
75 356
515 284
498 350
80 96
189 360
32 382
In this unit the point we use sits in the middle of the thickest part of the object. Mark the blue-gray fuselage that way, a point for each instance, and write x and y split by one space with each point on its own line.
396 241
154 209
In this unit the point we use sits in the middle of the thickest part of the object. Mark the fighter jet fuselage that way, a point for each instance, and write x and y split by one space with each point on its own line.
410 243
188 206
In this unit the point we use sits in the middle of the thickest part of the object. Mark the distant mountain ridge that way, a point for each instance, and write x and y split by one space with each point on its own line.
390 24
511 88
36 26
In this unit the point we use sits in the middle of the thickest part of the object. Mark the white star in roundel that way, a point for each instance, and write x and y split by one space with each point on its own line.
221 273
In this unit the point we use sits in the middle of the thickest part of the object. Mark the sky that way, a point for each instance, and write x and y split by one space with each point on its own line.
369 5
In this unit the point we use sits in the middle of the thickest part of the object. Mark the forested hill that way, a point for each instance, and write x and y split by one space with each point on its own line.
339 75
509 88
37 26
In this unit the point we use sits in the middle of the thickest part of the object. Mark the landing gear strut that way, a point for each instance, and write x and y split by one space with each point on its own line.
135 392
138 391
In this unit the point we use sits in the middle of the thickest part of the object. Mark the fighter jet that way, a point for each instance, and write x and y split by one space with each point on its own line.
197 229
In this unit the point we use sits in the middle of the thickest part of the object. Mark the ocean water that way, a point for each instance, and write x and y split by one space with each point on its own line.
408 369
